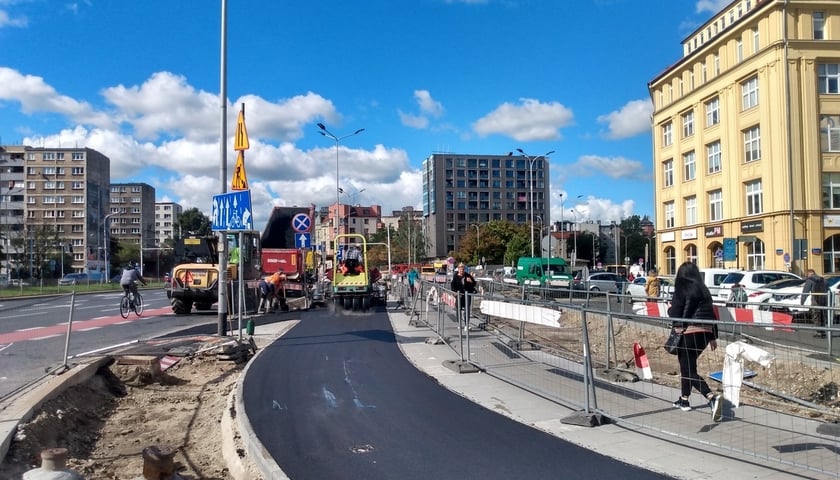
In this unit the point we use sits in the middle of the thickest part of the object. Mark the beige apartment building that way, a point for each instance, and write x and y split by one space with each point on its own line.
166 218
62 189
746 140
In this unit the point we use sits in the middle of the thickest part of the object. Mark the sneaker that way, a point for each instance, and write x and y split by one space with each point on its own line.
682 404
716 404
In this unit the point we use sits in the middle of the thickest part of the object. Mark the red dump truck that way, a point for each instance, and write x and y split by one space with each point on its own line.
279 251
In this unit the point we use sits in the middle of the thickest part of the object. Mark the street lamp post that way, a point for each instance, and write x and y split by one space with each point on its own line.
575 229
337 140
105 236
531 161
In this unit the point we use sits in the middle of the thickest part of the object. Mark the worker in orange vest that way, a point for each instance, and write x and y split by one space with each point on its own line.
276 279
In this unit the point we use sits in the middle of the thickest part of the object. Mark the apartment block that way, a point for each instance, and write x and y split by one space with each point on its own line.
461 190
746 135
132 214
60 193
166 216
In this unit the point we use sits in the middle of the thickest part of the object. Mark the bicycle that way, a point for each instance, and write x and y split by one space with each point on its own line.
128 304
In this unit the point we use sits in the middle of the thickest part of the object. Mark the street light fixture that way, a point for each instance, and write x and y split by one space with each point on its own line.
531 161
337 140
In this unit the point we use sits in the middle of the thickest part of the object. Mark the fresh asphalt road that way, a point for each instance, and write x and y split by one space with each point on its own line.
335 398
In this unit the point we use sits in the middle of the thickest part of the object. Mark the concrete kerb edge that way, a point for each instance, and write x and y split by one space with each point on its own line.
261 458
24 406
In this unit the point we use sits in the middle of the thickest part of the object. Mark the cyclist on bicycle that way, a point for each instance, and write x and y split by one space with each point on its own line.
130 277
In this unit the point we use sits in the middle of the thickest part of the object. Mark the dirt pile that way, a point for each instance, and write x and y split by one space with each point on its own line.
106 422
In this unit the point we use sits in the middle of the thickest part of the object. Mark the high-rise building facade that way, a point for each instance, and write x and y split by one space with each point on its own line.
133 210
460 190
166 216
12 226
66 192
746 135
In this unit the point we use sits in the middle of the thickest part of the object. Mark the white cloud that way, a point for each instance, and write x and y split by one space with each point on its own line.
633 119
413 121
528 121
428 104
36 96
612 167
713 6
428 107
7 21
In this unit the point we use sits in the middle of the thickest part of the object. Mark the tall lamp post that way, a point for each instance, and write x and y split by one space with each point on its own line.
531 161
105 237
575 230
337 140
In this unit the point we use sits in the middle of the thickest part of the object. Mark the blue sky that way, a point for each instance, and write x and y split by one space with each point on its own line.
139 80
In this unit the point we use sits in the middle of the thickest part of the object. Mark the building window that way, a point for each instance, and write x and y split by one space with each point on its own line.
756 43
754 199
755 255
830 133
78 156
691 253
819 25
667 134
713 112
715 206
831 190
691 210
749 93
752 144
702 73
829 78
77 171
668 172
739 50
78 199
713 157
716 62
689 166
671 260
669 215
688 124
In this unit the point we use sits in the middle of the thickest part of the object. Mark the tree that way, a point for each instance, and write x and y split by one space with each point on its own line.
193 222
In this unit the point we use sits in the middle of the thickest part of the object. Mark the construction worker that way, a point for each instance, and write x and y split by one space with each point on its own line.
276 280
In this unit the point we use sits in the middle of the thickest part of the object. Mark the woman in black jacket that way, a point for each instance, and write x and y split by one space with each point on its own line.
692 300
462 284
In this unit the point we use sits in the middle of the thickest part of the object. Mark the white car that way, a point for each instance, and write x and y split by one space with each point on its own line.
637 292
788 299
751 280
782 295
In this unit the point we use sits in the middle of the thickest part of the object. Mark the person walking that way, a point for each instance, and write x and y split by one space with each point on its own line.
653 286
692 300
463 284
411 277
815 287
266 295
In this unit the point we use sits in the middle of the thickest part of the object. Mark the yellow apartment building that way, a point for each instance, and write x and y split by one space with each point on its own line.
746 140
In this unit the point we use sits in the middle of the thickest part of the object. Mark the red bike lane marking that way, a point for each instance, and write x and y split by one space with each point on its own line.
40 333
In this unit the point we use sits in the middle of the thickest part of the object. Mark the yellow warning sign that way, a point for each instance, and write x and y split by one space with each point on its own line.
240 139
240 179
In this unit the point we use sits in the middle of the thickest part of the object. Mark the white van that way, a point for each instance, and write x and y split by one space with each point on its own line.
713 278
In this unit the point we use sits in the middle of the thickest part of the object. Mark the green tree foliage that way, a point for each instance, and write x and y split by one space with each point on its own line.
194 222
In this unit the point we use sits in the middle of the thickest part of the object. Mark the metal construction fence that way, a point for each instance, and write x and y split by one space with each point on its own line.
603 358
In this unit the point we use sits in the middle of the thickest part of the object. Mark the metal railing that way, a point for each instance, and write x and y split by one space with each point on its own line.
582 353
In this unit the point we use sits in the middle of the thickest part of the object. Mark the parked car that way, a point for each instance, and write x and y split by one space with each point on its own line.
73 279
713 277
782 295
637 292
788 299
751 280
600 282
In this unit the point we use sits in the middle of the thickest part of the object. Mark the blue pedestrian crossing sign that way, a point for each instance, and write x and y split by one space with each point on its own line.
232 212
303 240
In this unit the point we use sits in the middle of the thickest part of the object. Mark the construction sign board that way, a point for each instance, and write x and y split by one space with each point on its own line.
240 178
